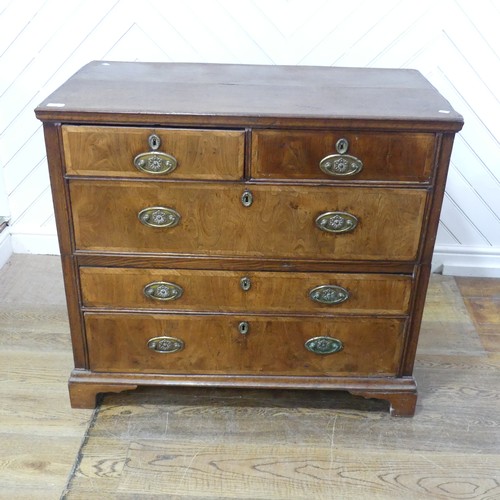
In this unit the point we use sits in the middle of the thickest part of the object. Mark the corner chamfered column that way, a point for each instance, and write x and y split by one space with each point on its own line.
424 269
62 213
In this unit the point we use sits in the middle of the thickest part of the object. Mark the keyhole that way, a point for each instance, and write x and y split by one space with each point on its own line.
245 284
342 146
243 328
246 198
154 142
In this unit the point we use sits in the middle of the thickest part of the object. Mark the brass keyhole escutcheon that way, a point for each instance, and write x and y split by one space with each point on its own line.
244 327
247 198
245 283
342 145
154 142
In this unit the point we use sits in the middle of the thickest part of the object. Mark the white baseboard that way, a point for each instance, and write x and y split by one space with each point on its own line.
460 260
5 246
37 243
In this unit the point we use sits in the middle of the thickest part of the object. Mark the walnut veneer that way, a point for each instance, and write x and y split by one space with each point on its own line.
246 226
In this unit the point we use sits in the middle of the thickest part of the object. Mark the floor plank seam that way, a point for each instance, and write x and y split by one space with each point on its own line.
79 455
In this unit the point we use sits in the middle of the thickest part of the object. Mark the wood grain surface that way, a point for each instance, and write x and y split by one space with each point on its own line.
110 151
482 299
279 223
39 432
288 154
213 345
232 94
221 291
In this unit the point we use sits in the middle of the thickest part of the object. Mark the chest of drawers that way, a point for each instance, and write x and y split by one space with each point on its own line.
246 226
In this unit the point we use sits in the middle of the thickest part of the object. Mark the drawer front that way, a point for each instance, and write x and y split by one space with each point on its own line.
298 155
193 154
236 291
214 345
282 221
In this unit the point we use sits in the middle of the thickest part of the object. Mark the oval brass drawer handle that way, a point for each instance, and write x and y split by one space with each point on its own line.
159 217
163 290
336 222
165 345
324 345
329 294
341 164
155 162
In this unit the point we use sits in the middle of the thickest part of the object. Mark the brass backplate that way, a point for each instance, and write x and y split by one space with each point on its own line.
163 290
329 294
336 222
340 165
324 345
155 162
165 345
159 217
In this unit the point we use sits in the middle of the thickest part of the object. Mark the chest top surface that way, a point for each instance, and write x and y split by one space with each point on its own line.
252 94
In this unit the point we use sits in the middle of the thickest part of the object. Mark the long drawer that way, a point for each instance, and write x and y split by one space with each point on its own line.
149 343
238 291
334 223
177 154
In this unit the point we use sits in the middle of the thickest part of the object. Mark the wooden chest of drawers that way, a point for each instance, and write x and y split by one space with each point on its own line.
246 226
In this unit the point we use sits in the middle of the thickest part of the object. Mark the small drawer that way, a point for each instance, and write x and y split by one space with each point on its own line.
243 345
310 222
342 155
153 153
239 291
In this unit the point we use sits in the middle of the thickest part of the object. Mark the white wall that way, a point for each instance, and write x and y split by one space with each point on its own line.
454 43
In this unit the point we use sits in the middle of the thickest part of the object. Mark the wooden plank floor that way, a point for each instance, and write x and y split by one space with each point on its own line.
208 443
39 434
